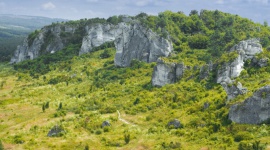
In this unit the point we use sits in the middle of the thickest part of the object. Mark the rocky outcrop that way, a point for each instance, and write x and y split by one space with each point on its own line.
249 48
254 110
246 50
233 90
262 62
167 73
47 40
132 41
232 69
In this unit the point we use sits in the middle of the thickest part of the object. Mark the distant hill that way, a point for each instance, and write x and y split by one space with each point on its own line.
14 28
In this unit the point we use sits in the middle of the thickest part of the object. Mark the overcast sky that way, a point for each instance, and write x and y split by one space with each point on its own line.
256 10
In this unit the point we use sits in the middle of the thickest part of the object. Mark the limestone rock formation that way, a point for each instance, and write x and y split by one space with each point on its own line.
250 48
233 90
48 40
254 110
246 50
167 73
263 62
132 41
227 71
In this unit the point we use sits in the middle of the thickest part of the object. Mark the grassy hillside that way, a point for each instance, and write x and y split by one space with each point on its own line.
91 91
83 91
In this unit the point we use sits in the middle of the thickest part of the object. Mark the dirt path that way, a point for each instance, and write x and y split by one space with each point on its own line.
123 120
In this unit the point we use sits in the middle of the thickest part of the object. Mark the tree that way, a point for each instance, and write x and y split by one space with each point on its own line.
193 12
47 105
43 108
127 137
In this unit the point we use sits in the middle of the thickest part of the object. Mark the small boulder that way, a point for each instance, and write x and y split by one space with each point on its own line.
206 105
56 131
174 123
105 123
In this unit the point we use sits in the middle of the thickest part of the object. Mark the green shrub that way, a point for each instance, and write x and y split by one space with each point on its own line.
98 132
242 135
17 139
127 138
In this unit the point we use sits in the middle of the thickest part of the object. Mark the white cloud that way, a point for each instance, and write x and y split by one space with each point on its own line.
48 6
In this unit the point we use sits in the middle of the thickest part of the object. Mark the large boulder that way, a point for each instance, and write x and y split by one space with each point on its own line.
132 41
254 110
167 73
56 131
105 123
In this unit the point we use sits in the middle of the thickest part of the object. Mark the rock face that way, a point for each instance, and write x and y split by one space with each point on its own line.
227 71
254 110
167 73
48 40
263 62
233 90
132 41
175 123
246 50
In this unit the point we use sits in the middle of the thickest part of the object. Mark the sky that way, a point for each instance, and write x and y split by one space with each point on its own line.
256 10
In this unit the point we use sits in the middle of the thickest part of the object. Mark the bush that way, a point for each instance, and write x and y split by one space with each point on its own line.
242 135
127 137
98 132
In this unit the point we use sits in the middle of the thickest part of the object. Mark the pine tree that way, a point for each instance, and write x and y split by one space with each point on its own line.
60 106
43 108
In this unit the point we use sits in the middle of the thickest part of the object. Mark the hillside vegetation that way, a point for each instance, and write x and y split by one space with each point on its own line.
78 93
